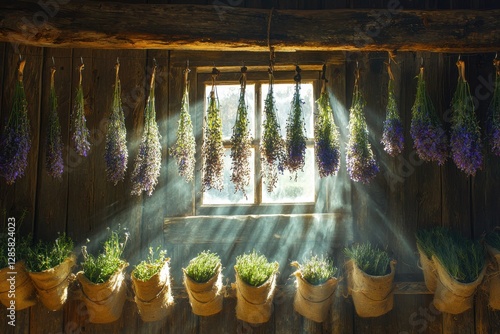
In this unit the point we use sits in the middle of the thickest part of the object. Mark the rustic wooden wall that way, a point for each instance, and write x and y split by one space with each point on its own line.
407 195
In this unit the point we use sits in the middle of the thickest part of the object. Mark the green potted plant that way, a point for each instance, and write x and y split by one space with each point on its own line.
370 278
316 284
103 279
255 287
49 265
203 282
493 246
427 239
12 253
151 283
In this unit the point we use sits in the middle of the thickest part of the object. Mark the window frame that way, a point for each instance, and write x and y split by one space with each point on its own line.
257 208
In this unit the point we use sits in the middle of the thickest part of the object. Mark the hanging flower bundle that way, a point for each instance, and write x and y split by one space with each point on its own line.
16 137
494 113
148 161
273 146
213 149
116 153
361 164
392 135
241 141
185 146
466 146
326 135
295 144
53 158
81 134
429 138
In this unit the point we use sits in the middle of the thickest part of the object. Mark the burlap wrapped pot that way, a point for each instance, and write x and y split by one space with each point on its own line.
205 298
429 270
23 288
494 279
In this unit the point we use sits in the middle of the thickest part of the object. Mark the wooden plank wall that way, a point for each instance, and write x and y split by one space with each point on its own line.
407 195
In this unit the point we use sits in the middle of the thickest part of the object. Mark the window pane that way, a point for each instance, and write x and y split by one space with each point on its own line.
283 95
229 96
290 191
227 195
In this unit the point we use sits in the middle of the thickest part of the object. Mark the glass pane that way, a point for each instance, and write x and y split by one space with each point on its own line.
283 95
290 191
227 195
229 96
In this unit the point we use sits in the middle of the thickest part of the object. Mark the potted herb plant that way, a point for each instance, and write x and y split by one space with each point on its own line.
10 262
103 280
316 284
255 287
427 240
493 247
151 282
370 278
203 281
49 265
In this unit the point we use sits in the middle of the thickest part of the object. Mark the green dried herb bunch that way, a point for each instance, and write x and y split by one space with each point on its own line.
241 142
212 151
273 146
295 143
185 146
53 157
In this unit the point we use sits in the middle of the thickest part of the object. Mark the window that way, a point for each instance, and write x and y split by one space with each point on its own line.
288 190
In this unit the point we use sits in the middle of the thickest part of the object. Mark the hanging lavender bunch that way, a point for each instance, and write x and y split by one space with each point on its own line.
326 138
466 146
185 146
81 134
148 161
212 151
429 138
494 113
16 137
116 153
295 143
53 158
241 143
273 146
392 136
361 164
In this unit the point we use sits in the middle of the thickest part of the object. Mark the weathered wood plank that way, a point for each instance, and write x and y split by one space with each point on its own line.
192 27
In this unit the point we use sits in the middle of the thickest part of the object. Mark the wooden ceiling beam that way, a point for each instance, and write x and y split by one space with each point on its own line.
108 25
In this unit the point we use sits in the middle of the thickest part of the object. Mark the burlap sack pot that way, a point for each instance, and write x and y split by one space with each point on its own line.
205 298
314 301
24 289
254 304
452 296
154 296
430 273
104 301
494 280
52 284
372 295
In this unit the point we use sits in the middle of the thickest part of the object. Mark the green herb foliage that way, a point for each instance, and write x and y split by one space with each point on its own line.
370 259
203 267
152 266
45 255
317 269
98 269
493 239
254 269
295 143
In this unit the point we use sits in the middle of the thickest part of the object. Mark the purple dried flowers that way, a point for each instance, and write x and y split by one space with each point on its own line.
241 142
392 135
466 146
53 158
429 138
212 151
148 161
16 137
185 146
494 113
326 138
116 153
80 132
361 164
